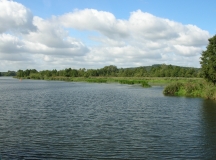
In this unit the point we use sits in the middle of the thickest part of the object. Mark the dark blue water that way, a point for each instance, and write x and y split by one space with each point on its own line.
67 120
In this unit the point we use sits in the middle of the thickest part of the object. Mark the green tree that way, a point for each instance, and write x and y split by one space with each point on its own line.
81 72
20 73
54 72
110 70
140 72
67 72
208 61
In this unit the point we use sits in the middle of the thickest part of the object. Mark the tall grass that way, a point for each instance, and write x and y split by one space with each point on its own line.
142 82
191 89
173 88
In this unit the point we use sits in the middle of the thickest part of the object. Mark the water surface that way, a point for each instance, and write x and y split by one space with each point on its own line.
68 120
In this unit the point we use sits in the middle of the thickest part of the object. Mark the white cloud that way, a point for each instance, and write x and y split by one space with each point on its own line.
10 44
142 39
91 19
11 48
52 39
187 50
142 31
151 27
15 17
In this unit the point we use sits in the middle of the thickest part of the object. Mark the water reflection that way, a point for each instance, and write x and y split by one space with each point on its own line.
209 126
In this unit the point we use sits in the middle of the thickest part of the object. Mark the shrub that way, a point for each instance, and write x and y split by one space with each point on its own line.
145 84
173 88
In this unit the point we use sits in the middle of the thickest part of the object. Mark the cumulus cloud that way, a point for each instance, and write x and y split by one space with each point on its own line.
51 39
91 19
23 36
10 44
142 30
16 17
142 39
151 27
11 48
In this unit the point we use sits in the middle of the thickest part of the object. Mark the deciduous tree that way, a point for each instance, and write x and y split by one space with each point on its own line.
208 61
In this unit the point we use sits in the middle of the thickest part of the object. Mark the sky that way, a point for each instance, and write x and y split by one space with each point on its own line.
91 34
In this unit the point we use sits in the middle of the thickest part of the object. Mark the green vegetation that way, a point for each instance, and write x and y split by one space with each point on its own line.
208 61
112 71
143 83
192 89
205 89
8 73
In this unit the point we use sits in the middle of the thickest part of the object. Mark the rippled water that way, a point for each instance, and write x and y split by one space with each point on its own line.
66 120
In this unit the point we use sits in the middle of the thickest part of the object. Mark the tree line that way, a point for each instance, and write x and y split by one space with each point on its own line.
8 73
112 71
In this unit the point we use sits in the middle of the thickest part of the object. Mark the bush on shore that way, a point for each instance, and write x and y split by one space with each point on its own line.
142 82
191 89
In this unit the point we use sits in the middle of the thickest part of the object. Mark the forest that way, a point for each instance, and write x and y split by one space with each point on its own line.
159 70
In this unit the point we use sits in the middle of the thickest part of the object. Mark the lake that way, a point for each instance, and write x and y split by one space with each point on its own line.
73 120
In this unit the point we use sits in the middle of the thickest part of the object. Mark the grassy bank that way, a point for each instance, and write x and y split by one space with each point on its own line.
143 81
121 80
199 88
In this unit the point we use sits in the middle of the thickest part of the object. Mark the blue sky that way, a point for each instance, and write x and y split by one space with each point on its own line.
58 34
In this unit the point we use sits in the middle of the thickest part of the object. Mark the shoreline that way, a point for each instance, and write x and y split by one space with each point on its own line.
173 86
